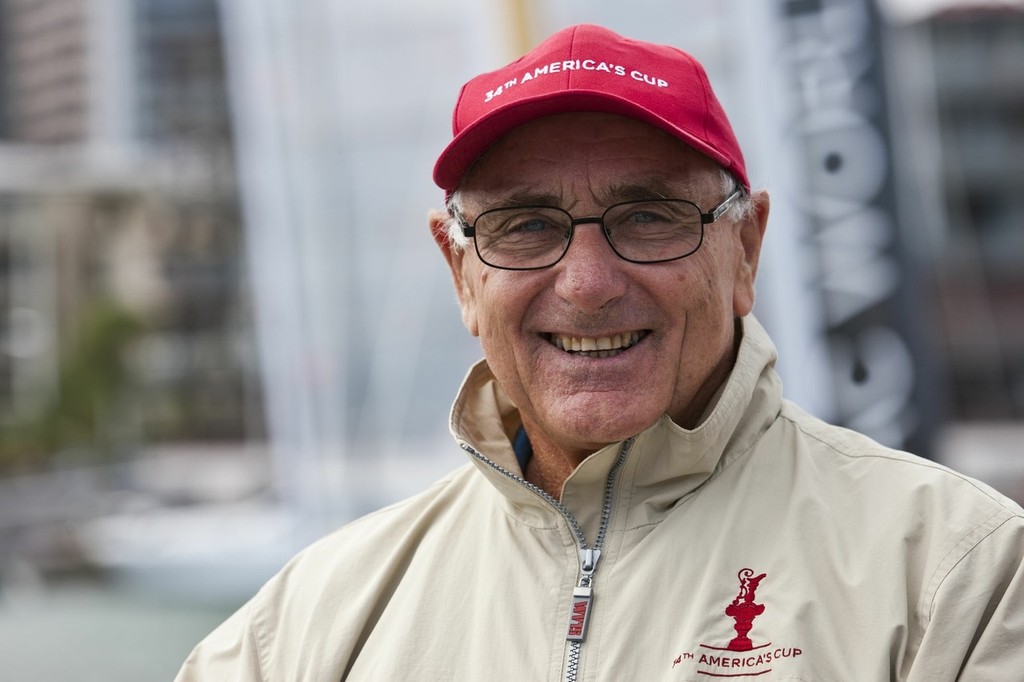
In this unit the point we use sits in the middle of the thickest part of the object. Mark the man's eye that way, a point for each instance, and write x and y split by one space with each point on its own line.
647 217
527 225
531 225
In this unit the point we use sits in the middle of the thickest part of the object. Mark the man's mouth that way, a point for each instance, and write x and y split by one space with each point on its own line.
597 346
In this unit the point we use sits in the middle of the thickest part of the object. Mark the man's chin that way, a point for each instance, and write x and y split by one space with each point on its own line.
582 428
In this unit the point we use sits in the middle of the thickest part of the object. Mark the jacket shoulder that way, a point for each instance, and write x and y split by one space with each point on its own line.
381 535
940 534
318 609
854 454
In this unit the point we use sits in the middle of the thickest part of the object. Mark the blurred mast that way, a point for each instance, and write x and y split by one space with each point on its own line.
279 57
521 27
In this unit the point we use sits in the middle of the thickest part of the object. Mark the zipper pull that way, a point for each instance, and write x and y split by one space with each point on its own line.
588 562
582 596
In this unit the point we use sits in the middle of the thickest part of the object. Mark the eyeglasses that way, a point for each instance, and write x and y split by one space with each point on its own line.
536 237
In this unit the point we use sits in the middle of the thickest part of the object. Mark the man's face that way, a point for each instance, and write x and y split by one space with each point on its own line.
670 325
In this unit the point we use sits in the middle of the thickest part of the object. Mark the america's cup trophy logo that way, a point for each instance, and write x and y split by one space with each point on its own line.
744 610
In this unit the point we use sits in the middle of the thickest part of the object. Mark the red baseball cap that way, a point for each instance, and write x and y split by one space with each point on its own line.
589 68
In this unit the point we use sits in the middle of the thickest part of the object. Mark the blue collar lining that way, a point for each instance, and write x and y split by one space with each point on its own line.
523 449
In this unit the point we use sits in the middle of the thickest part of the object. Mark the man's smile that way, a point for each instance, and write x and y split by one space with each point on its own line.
597 346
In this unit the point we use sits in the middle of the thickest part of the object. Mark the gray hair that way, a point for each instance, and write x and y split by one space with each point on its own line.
741 209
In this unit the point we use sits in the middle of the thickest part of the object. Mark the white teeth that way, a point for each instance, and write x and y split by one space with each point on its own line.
601 346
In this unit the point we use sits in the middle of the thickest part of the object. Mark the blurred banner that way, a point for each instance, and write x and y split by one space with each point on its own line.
861 272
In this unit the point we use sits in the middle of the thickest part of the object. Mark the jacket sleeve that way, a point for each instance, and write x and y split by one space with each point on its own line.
975 624
228 654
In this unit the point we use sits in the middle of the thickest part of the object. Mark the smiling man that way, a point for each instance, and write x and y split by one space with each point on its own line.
641 502
637 319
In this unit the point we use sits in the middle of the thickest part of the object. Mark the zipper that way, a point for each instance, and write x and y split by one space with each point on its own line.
583 593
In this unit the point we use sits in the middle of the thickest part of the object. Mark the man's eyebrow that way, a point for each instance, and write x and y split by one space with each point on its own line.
528 197
525 196
649 188
654 187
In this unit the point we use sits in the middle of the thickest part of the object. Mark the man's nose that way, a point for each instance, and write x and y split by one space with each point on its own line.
590 274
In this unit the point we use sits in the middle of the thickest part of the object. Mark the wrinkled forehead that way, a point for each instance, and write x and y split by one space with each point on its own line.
556 159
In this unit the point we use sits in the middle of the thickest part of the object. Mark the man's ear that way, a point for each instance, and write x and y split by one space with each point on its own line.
455 256
751 234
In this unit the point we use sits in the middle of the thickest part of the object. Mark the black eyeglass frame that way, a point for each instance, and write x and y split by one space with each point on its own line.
469 231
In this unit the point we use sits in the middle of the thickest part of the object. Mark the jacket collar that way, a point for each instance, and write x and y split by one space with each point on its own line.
666 462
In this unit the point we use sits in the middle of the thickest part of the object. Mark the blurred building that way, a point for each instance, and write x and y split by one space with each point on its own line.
120 239
47 70
961 81
958 100
979 76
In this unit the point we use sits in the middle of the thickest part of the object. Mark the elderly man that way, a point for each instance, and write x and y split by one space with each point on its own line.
641 503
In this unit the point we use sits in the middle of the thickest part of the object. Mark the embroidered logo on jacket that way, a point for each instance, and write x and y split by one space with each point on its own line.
743 610
742 656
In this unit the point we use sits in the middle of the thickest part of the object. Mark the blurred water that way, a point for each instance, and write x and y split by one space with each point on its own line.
89 632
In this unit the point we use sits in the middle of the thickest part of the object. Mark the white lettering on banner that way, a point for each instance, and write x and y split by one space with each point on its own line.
878 405
856 271
578 65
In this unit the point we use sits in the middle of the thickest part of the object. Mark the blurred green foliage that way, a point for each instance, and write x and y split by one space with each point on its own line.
93 380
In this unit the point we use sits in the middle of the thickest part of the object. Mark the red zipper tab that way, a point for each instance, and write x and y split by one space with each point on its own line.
579 614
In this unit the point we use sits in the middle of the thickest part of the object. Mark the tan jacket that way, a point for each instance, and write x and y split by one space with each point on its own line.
763 545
